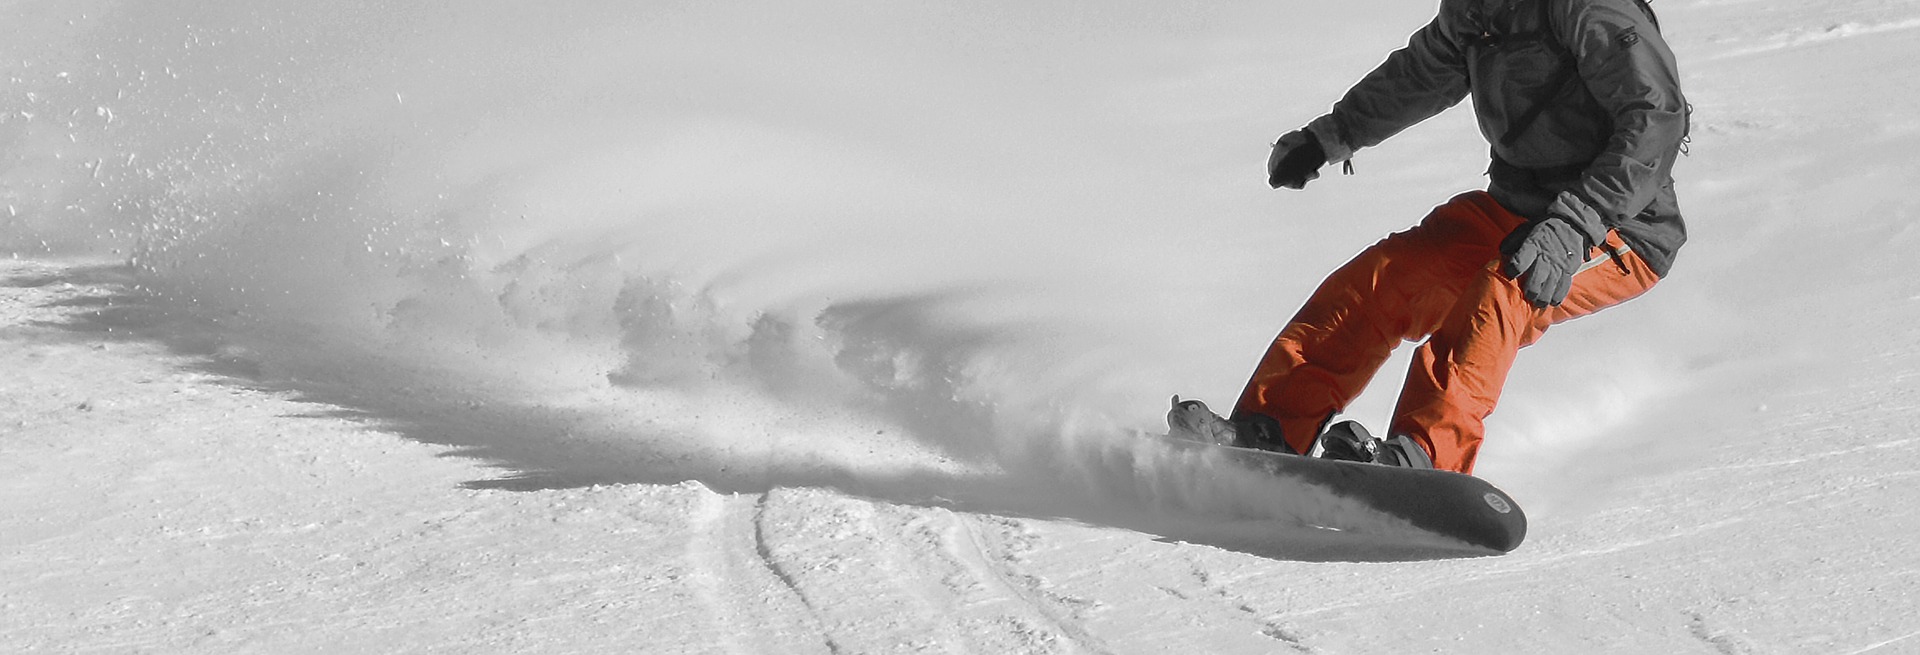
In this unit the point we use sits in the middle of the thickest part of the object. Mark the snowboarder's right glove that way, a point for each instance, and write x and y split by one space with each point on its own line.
1543 256
1296 160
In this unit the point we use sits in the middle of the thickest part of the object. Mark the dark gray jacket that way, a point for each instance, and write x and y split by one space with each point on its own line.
1609 137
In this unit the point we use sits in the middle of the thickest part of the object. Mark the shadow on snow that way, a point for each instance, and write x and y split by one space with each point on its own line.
539 448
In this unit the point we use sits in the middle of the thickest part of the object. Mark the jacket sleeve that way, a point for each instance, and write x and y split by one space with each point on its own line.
1631 73
1413 84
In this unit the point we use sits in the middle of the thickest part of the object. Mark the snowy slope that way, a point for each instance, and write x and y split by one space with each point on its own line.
340 328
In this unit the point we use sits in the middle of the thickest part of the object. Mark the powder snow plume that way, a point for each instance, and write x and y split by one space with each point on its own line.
549 236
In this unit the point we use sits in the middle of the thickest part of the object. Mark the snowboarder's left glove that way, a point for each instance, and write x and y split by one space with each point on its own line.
1296 160
1543 256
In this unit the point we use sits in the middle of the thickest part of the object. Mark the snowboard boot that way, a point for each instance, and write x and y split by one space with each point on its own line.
1350 441
1191 420
1401 450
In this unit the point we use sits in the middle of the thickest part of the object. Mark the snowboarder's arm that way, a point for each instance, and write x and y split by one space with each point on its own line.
1629 69
1413 84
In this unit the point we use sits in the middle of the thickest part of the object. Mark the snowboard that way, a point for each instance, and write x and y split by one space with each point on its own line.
1450 504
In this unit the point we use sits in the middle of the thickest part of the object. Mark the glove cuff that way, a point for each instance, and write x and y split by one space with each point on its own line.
1327 130
1573 209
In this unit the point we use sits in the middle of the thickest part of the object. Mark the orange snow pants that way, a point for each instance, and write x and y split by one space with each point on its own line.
1442 281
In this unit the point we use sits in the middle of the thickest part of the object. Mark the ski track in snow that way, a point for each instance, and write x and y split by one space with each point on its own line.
1223 594
1801 38
739 585
1874 648
883 578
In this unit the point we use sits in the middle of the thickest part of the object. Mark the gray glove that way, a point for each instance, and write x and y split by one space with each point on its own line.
1544 255
1296 160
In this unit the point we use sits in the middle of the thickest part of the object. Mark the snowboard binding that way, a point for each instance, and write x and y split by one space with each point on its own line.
1350 441
1192 421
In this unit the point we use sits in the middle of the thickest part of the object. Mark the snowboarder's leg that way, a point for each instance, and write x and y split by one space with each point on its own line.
1399 288
1456 375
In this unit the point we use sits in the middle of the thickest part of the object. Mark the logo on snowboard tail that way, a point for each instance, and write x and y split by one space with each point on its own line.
1497 503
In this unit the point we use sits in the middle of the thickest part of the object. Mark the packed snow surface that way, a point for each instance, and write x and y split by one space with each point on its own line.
838 327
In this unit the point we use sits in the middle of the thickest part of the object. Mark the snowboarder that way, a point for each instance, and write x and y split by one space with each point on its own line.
1581 102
